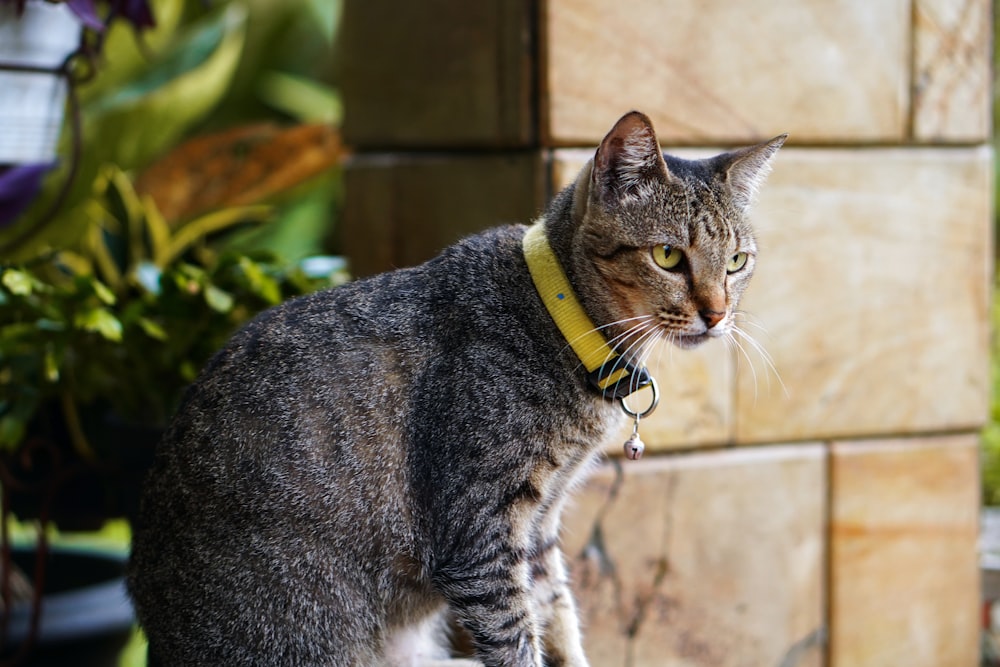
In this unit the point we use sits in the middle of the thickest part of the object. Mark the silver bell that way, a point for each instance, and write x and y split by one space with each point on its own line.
634 447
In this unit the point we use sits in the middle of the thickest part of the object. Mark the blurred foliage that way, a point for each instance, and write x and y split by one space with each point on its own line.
990 437
125 319
203 68
159 251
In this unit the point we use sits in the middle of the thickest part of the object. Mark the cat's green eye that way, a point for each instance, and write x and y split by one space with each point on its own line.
667 257
736 262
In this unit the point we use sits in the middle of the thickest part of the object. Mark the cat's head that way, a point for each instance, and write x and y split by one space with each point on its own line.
662 239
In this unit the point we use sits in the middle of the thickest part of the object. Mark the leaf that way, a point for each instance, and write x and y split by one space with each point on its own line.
12 429
18 282
134 216
151 112
260 283
196 230
129 119
102 292
102 256
123 56
51 365
100 321
157 228
218 299
152 329
300 97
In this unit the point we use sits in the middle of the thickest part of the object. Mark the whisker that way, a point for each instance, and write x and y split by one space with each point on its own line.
763 353
642 347
753 371
746 318
626 356
642 319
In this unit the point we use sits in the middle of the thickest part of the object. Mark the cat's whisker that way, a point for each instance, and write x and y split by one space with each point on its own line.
642 319
626 356
743 317
643 347
753 371
764 354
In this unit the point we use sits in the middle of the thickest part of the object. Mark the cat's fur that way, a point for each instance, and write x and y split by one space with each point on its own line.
356 462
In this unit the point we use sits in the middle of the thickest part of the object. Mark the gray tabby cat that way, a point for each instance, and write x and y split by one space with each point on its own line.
358 465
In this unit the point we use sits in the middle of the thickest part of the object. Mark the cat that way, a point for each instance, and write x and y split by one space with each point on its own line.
360 465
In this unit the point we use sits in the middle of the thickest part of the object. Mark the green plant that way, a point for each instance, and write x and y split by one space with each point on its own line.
990 437
122 320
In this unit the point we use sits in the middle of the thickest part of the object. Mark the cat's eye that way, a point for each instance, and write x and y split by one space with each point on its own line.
736 262
667 257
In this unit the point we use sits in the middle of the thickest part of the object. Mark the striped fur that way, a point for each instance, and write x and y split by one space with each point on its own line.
361 469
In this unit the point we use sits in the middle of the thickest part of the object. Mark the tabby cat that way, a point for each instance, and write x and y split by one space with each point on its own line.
358 466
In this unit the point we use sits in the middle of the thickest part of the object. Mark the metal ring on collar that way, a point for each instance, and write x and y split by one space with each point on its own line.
652 406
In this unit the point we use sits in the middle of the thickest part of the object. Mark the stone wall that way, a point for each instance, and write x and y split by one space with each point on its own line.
821 513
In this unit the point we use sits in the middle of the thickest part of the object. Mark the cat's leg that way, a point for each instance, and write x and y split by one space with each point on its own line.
563 646
490 596
561 640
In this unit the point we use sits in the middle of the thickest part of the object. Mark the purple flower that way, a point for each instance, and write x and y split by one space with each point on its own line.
87 13
19 186
136 12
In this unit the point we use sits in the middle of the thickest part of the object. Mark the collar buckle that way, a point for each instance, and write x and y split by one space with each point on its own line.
616 380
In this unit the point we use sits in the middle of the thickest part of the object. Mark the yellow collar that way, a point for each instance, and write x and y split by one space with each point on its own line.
607 372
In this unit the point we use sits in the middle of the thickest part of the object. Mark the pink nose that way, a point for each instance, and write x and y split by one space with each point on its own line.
711 317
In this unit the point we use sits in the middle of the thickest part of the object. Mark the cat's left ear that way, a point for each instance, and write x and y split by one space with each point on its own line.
745 170
628 160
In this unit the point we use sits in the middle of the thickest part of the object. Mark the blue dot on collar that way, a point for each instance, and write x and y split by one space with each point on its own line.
560 296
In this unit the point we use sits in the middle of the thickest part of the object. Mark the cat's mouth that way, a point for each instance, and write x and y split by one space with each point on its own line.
687 341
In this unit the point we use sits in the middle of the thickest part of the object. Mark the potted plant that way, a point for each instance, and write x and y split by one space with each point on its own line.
112 294
99 340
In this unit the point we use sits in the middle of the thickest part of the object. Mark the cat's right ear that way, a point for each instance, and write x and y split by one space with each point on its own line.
628 161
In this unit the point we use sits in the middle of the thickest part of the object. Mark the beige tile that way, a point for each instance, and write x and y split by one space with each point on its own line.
721 72
952 73
904 568
873 283
702 559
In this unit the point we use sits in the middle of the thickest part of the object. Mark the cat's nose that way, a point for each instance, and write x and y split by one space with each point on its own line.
711 317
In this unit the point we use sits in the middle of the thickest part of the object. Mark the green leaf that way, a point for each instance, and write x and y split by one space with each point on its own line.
14 422
103 292
124 56
259 282
12 430
302 98
198 229
152 329
18 282
153 111
51 365
132 122
100 321
218 299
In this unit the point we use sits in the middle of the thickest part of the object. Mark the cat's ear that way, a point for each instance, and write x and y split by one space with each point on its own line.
744 170
628 160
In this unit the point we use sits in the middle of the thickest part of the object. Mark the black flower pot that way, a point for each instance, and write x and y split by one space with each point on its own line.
86 615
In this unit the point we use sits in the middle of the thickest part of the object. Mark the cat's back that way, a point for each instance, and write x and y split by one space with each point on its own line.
321 389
